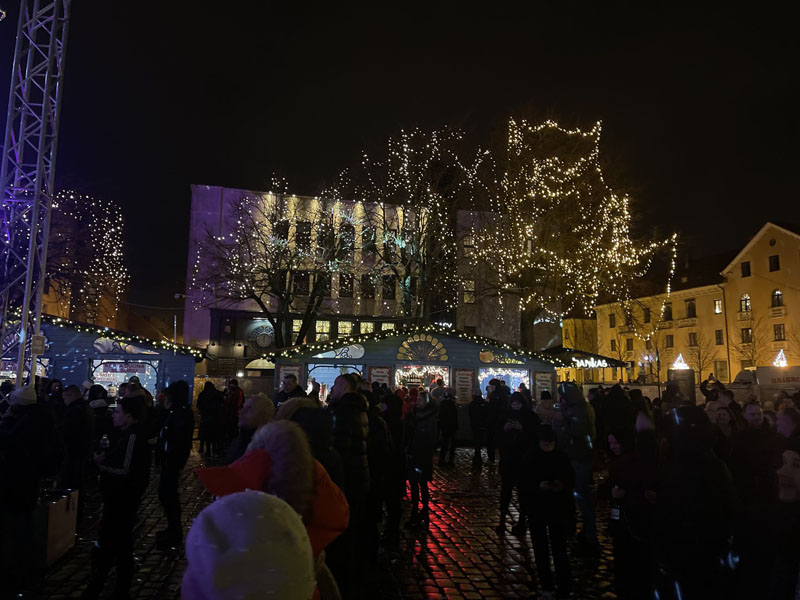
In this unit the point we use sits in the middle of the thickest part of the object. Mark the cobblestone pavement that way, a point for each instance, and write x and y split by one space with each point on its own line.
461 556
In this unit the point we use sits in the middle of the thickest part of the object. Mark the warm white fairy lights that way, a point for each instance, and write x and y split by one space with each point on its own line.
86 265
780 359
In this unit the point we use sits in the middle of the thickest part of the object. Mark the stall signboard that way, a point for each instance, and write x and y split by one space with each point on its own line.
295 369
544 381
113 372
381 375
464 384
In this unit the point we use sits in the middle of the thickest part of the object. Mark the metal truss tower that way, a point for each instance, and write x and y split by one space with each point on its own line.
27 173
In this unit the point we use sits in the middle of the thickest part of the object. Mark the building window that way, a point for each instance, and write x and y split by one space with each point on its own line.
302 235
469 291
629 345
296 325
721 370
628 319
648 344
469 246
470 329
325 241
323 331
612 320
744 303
324 284
387 326
367 287
669 341
388 285
746 269
613 345
691 309
747 335
717 307
777 299
718 339
347 242
775 262
668 311
345 328
746 364
367 327
282 230
646 315
301 283
345 285
692 338
368 247
780 332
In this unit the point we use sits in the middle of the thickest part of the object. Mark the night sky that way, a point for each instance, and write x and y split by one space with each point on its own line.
699 107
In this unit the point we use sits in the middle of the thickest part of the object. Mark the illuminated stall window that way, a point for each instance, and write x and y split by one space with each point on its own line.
424 375
112 372
325 375
512 377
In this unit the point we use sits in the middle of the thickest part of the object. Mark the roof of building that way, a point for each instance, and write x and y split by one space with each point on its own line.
790 229
316 348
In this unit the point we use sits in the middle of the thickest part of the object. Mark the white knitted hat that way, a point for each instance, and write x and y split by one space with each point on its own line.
248 545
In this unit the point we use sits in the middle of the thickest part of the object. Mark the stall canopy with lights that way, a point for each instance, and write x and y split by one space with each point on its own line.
75 352
582 366
420 356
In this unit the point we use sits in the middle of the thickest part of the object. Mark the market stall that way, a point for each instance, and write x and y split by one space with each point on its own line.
75 352
420 356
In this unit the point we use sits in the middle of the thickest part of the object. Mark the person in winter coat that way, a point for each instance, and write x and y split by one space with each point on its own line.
479 417
498 402
544 409
422 438
695 508
259 537
448 426
784 528
124 475
174 447
548 478
378 453
289 389
574 427
516 434
278 461
210 406
317 424
98 403
256 412
632 477
53 396
753 459
76 431
395 470
348 410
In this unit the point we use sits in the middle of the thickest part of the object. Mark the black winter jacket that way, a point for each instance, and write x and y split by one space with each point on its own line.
77 431
448 416
350 433
175 437
125 472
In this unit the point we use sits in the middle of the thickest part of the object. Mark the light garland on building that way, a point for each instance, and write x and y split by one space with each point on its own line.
780 359
680 364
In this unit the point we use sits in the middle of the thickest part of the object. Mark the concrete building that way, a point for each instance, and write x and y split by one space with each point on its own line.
236 335
724 314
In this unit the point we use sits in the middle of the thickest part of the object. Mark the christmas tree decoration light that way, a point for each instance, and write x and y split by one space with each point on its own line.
680 364
780 359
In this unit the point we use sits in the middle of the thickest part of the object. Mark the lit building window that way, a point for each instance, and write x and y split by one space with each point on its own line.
387 326
717 307
469 246
323 330
345 328
744 303
469 291
367 327
777 299
296 325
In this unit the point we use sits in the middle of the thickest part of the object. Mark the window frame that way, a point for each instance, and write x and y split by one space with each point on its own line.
469 291
745 303
746 271
669 341
325 330
612 320
774 265
719 337
717 306
779 329
777 295
747 339
349 278
693 339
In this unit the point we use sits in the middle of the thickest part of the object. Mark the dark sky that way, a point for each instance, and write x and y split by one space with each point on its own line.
699 107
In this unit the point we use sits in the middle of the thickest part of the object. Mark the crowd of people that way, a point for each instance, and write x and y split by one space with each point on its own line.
704 500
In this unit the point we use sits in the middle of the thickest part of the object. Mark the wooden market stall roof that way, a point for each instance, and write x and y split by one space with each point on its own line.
309 350
566 356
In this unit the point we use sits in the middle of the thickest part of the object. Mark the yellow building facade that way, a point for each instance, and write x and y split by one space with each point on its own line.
748 317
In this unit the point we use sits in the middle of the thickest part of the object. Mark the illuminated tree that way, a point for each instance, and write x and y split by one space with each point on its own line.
86 273
559 236
410 200
279 257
